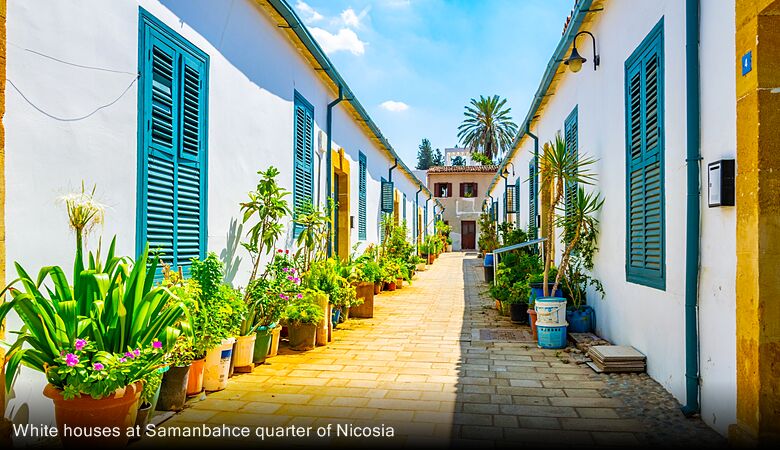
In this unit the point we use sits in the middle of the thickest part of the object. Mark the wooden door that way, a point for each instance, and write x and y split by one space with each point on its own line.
468 235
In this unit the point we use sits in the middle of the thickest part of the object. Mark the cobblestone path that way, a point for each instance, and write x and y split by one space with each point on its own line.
442 368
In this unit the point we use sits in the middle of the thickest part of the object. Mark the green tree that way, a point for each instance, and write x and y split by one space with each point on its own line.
425 155
488 127
458 161
438 158
480 158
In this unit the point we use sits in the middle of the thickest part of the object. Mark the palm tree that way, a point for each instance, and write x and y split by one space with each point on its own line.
488 127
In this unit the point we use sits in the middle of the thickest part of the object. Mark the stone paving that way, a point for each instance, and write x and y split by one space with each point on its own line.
420 367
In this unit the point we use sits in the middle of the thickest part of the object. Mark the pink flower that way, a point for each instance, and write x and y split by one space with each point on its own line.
71 359
300 295
80 344
129 355
157 344
97 367
290 277
122 360
137 352
297 280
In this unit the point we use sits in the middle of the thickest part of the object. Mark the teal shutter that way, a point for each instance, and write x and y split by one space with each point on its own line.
517 203
510 199
303 165
645 243
532 193
387 196
425 220
173 143
404 207
362 197
570 189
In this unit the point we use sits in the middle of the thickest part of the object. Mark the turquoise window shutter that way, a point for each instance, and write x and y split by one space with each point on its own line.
645 206
303 156
510 199
173 125
404 207
517 203
387 196
570 189
362 197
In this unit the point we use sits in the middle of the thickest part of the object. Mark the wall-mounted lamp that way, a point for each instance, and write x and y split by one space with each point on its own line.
513 168
575 60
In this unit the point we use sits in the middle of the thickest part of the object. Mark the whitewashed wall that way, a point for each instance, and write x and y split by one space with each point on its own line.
254 71
652 320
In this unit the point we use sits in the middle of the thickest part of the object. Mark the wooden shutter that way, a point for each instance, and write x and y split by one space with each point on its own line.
532 190
517 203
303 180
463 189
174 104
190 224
570 189
387 197
645 253
449 189
362 197
475 188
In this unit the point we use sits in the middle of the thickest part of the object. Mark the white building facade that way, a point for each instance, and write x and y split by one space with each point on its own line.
642 45
170 108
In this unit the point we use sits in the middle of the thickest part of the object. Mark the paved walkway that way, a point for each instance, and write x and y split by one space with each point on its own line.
439 366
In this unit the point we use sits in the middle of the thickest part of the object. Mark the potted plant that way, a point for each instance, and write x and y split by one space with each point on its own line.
150 394
392 272
301 316
223 311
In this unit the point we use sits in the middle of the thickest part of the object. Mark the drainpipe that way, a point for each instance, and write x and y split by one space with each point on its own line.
425 219
693 213
504 175
329 162
416 218
490 206
390 171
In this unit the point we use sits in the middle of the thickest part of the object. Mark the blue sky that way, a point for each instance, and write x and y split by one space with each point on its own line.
415 64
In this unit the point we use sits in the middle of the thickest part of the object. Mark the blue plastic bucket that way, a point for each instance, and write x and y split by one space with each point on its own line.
488 261
551 337
582 320
537 291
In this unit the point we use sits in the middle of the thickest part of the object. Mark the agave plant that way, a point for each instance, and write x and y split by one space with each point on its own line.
113 305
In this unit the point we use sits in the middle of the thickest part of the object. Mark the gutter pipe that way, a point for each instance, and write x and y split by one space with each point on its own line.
390 171
416 217
329 162
693 212
425 225
504 176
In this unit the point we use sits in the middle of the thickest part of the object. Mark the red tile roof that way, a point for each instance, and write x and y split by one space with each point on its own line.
462 169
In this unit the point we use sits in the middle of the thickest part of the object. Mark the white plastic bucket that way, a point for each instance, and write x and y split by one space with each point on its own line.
215 376
245 350
550 311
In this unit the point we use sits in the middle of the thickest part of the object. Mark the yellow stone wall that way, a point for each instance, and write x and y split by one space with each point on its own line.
758 223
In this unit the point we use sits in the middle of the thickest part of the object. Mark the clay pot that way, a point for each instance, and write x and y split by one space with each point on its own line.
532 320
399 283
366 309
195 380
377 288
85 413
302 336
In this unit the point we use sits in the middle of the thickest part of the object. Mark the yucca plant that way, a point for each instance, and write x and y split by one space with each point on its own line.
110 317
560 167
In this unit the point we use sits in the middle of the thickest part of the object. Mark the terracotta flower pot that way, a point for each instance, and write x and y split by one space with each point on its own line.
377 288
85 413
195 380
532 320
366 309
390 286
399 283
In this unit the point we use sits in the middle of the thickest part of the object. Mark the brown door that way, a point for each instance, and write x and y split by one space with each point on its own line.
468 234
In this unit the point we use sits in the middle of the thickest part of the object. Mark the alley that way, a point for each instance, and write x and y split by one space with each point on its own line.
440 366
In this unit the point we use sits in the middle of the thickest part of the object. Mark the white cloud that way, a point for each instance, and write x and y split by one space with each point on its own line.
394 106
344 40
309 14
351 19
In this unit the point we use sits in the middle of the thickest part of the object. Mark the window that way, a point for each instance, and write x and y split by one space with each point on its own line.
442 190
468 190
362 197
172 119
533 188
570 190
644 92
303 156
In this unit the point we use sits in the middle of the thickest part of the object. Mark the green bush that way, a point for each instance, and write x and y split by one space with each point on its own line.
304 310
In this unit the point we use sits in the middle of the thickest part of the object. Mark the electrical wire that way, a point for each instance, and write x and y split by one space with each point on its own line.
72 119
82 66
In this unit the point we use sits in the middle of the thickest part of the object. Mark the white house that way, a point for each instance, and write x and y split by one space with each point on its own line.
170 108
631 114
